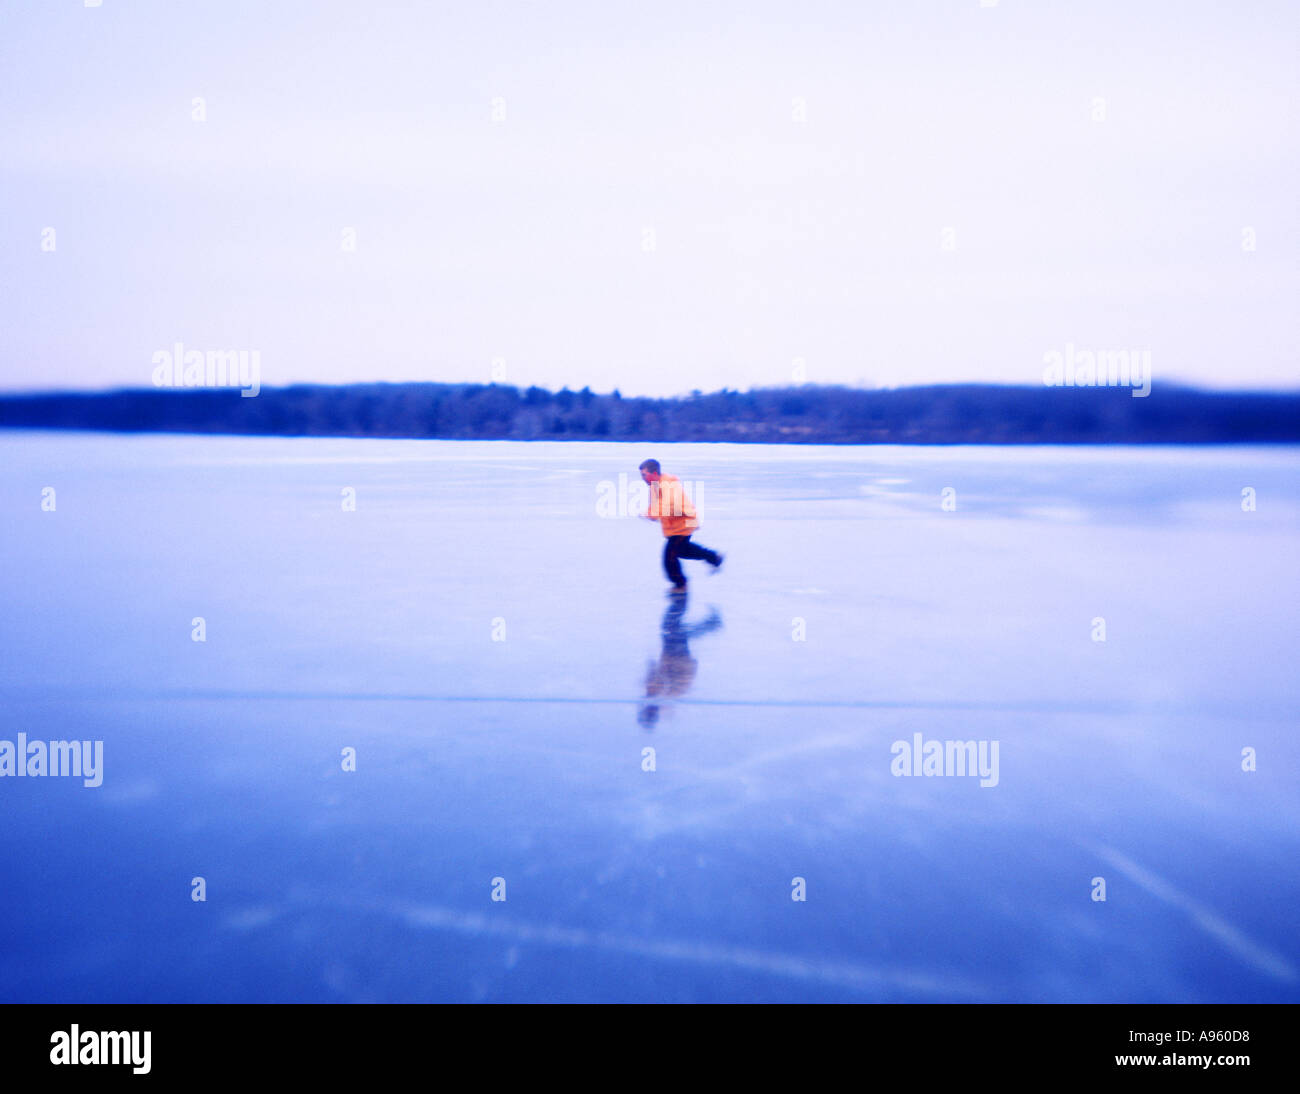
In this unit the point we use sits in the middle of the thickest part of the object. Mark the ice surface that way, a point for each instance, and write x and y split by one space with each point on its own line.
484 634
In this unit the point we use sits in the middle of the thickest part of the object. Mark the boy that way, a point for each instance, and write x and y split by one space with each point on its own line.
676 515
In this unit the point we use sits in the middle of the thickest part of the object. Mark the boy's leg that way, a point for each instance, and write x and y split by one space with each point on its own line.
694 550
672 567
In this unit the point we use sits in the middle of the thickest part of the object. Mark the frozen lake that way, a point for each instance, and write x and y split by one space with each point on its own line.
484 628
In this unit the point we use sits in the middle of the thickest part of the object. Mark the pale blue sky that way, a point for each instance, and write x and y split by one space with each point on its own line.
774 238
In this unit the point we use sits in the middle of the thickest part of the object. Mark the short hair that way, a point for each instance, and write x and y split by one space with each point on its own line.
650 465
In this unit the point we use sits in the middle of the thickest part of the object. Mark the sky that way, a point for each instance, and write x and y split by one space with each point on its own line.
653 198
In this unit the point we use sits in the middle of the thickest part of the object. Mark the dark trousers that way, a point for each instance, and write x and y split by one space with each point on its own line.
679 547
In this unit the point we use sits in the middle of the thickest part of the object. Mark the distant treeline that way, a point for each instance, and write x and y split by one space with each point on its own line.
941 414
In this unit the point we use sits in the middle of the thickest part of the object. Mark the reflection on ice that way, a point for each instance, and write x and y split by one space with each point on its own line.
671 676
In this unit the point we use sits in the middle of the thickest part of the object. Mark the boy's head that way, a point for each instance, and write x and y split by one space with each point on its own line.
650 471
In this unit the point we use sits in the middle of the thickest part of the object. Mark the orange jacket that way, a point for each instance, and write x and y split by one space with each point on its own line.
670 506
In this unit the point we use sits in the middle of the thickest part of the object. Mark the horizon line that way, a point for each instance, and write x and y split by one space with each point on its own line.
1176 385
